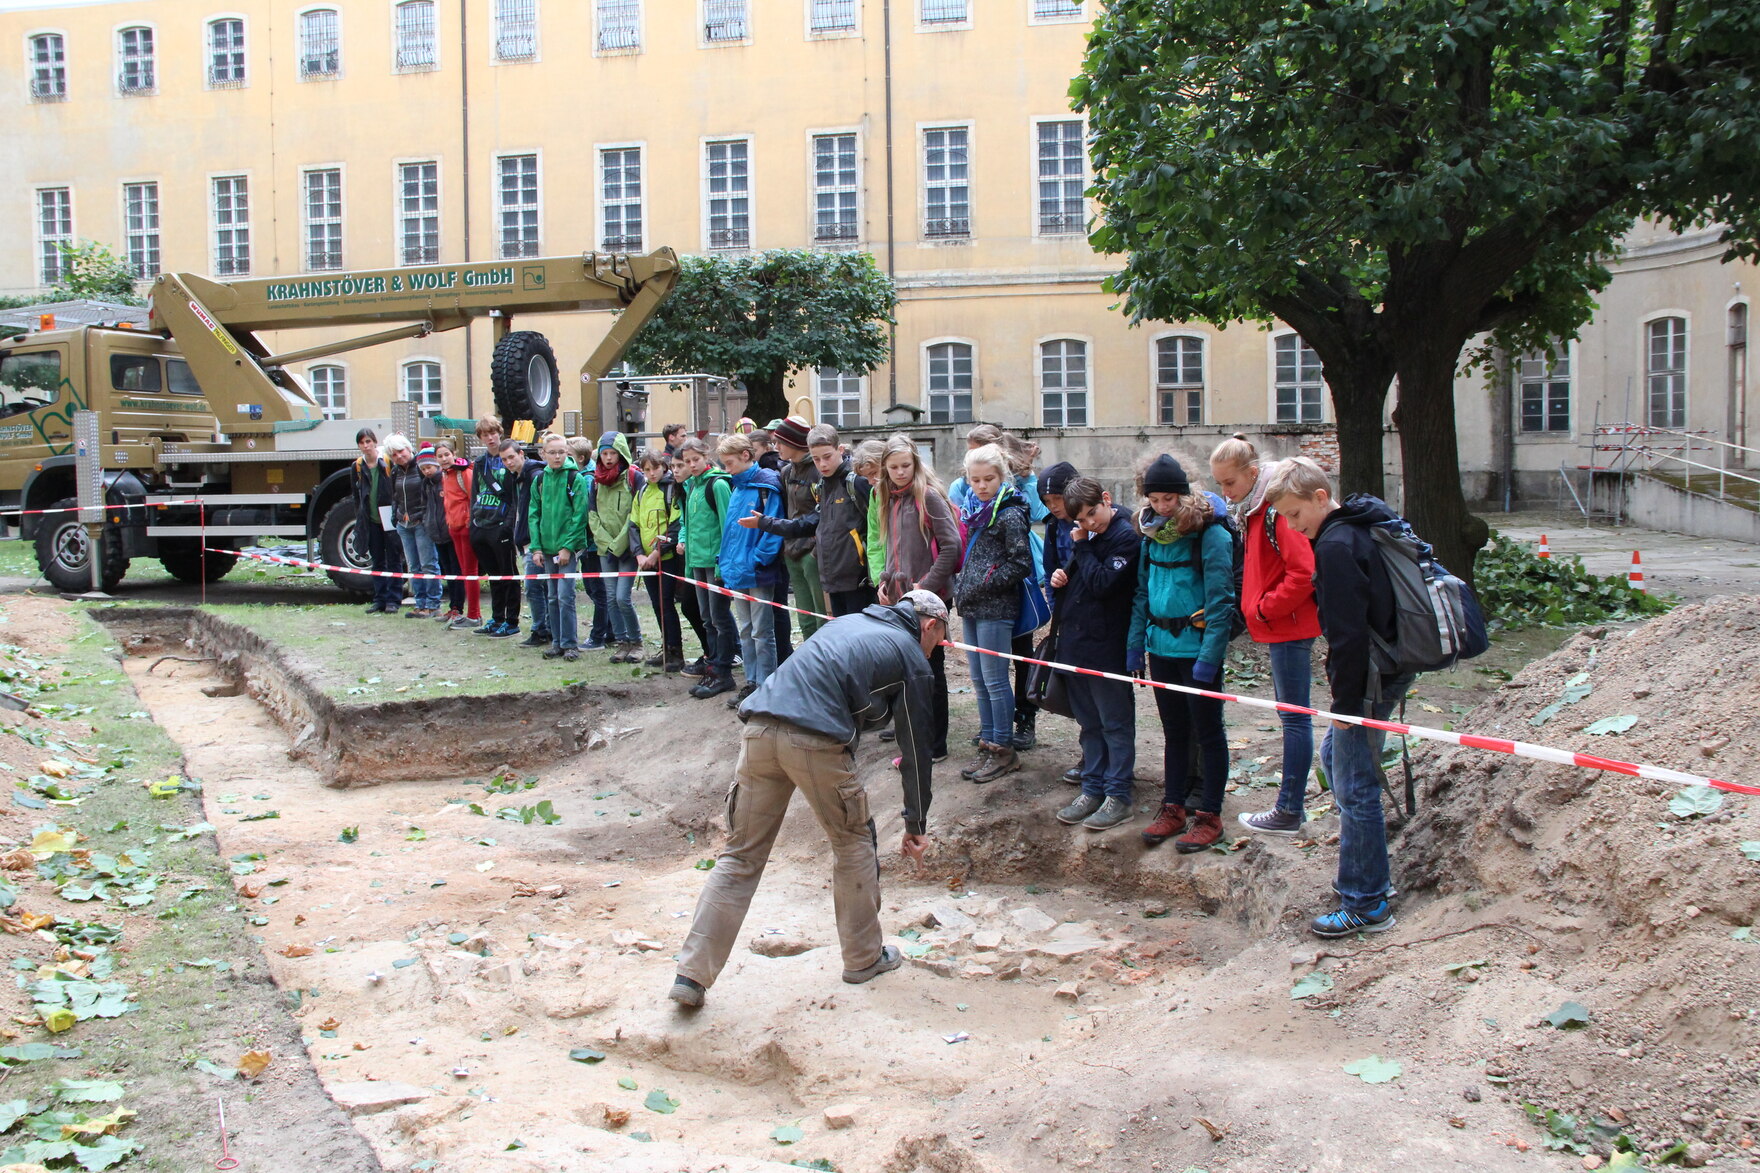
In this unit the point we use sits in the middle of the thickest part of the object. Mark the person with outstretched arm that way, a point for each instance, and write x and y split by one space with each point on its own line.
859 671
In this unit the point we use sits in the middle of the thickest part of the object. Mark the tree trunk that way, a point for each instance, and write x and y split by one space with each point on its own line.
766 397
1358 396
1430 458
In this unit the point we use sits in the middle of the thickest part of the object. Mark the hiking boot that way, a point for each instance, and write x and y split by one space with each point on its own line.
571 655
713 686
554 652
1272 822
1073 775
1168 822
977 763
1026 734
658 659
1205 829
1344 922
630 653
1003 760
745 690
890 959
376 608
687 992
1111 813
673 661
1080 809
537 639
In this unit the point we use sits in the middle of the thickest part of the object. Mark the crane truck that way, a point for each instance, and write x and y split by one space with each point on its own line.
191 404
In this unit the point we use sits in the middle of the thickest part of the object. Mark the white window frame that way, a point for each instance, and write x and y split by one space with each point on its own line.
151 85
600 49
832 34
924 129
210 52
1271 381
1157 388
1685 370
1568 352
299 43
330 411
1079 13
1080 231
536 208
215 227
306 221
499 38
600 203
814 190
926 7
1086 390
55 69
415 62
924 359
707 7
44 240
404 367
153 255
751 201
857 398
402 217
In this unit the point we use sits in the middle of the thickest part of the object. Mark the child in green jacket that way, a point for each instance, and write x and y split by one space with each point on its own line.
557 518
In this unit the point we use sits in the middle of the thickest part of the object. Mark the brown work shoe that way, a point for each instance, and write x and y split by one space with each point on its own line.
1206 829
1169 822
977 763
1003 760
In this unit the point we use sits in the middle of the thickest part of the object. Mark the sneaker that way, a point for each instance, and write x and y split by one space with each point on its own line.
493 627
695 668
376 608
712 686
687 992
739 662
505 630
1003 760
1111 813
418 613
1080 809
977 763
1073 775
448 617
1344 922
937 759
571 655
593 645
1272 822
537 639
1169 821
889 734
890 959
1026 734
1392 892
554 652
1205 829
465 623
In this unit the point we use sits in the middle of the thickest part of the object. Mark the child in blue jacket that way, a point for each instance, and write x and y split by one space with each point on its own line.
751 559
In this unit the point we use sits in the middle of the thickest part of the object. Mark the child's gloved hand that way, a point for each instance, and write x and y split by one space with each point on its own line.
1133 660
1206 674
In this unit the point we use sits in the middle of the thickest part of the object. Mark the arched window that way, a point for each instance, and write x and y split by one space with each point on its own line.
1665 372
225 53
1063 383
330 388
320 43
1179 379
48 59
421 386
949 383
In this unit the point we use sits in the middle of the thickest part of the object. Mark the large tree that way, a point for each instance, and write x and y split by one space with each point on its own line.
759 318
1395 177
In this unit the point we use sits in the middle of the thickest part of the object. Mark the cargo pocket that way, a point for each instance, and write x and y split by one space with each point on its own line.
732 802
855 805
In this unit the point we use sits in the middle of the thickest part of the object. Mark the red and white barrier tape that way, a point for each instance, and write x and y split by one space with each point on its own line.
1521 749
108 506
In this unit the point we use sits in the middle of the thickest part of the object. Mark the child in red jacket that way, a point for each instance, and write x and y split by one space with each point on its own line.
1277 599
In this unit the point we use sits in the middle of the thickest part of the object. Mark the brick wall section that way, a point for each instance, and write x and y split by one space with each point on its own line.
1322 449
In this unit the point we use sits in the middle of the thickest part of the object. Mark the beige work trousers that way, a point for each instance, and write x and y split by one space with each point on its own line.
775 760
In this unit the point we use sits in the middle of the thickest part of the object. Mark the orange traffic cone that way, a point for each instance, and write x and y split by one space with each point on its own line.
1635 577
1545 551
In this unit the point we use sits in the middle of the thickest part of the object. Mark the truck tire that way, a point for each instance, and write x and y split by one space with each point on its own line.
63 553
335 548
523 374
183 561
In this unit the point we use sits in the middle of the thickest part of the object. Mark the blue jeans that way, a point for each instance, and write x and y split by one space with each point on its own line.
559 603
757 633
717 613
1106 712
537 596
1292 674
1351 758
990 678
422 557
626 627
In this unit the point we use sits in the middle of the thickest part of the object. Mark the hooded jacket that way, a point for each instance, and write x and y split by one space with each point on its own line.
1277 577
410 494
998 558
705 511
751 557
839 517
861 671
800 479
1354 597
1170 587
455 492
494 496
654 517
558 510
609 505
1094 607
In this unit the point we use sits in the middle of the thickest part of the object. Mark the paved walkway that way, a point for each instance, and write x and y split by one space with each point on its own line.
1691 567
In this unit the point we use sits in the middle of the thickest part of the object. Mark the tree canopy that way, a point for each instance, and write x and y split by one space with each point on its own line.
760 317
1395 177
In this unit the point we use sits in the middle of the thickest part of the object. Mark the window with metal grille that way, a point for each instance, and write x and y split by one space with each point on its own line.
323 219
516 30
54 229
1299 382
140 225
516 200
48 57
418 212
943 12
134 61
1179 380
834 188
620 185
728 193
1545 378
1057 9
947 209
421 386
1063 383
725 20
840 397
831 16
320 43
232 226
950 383
1665 372
620 26
225 54
413 29
329 386
1063 174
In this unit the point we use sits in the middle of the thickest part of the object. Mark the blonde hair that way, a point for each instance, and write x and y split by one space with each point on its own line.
923 482
1296 477
581 449
866 453
983 434
1235 452
989 455
397 442
558 437
734 442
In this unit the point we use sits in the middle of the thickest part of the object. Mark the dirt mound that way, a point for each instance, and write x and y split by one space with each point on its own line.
1646 910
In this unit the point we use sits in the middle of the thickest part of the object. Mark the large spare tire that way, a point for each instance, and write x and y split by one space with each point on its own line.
523 373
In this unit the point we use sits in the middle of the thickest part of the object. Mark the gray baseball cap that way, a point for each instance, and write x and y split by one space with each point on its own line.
927 603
